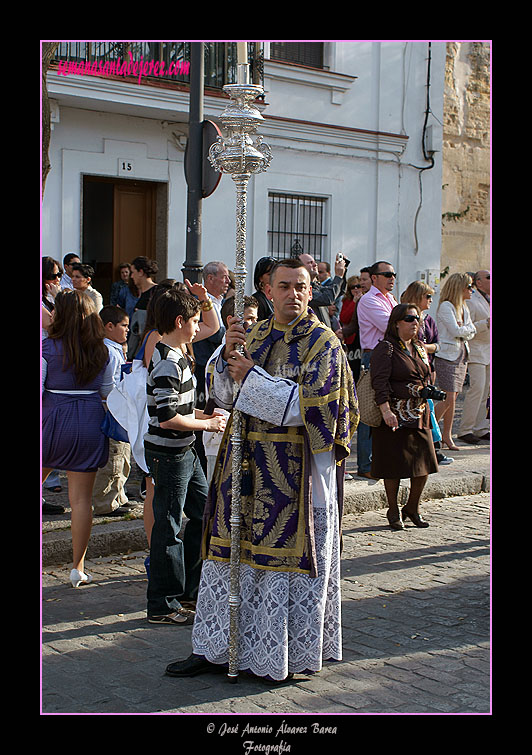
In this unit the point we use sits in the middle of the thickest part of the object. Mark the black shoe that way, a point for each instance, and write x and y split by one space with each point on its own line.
192 666
52 508
395 524
274 682
416 518
469 438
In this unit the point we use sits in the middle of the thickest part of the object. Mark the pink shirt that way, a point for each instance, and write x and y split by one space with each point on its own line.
373 311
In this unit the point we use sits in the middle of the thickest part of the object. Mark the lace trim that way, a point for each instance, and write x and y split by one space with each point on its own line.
264 396
289 623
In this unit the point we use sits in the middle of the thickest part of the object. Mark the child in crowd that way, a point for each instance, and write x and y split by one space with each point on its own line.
109 495
211 441
180 485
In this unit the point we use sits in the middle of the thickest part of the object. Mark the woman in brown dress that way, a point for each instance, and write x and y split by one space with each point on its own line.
402 444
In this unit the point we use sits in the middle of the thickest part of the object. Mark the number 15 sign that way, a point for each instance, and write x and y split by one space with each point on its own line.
126 167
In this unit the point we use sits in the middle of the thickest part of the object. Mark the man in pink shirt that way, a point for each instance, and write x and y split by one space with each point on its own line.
375 306
373 312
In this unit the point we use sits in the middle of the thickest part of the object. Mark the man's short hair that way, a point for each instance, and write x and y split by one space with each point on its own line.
291 262
327 266
212 268
70 256
365 270
170 305
374 269
86 270
113 313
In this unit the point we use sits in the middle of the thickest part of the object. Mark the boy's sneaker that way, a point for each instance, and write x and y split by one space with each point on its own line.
444 459
180 617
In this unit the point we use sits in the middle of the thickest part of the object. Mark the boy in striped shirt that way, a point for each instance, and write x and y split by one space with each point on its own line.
180 485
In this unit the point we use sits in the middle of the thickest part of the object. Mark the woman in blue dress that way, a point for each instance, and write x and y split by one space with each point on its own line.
76 376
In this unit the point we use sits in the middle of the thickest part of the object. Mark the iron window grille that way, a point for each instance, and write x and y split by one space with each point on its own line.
297 225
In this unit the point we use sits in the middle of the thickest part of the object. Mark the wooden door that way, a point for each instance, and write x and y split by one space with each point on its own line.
118 225
134 222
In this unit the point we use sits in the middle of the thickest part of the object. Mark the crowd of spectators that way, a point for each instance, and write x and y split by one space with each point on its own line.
89 345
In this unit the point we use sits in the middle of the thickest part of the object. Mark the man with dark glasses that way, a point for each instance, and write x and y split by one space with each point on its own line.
68 260
373 311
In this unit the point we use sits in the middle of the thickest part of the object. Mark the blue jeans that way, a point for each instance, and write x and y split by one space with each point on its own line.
175 564
364 431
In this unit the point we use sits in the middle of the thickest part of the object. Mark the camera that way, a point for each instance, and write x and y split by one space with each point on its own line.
430 391
341 257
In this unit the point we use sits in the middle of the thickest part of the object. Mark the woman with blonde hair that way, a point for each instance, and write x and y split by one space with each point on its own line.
76 375
455 329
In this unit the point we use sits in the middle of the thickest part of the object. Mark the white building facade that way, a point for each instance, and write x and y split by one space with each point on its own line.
356 141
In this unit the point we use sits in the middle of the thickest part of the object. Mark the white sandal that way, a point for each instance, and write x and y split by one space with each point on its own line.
78 577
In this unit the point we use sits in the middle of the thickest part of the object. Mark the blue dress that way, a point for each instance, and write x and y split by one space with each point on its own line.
71 435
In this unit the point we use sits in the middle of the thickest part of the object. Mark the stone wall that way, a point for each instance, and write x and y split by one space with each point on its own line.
466 158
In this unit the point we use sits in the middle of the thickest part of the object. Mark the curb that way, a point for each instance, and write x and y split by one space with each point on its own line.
106 540
472 483
127 536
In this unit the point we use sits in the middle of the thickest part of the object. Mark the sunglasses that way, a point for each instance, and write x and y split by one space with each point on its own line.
410 318
357 285
388 274
54 275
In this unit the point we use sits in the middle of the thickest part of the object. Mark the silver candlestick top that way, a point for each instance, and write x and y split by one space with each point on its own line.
238 153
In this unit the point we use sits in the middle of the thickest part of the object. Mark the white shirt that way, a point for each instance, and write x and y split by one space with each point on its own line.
450 333
217 305
212 440
66 281
479 346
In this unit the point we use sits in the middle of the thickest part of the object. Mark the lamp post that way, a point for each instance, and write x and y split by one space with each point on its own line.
192 265
240 156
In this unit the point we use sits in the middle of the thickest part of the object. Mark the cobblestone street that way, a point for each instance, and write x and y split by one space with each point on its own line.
416 631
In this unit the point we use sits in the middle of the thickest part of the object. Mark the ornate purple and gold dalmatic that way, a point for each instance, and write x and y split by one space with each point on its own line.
276 508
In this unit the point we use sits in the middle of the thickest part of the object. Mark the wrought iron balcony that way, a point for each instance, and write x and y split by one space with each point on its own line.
167 61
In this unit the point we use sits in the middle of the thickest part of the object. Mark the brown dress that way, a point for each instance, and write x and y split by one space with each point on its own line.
395 375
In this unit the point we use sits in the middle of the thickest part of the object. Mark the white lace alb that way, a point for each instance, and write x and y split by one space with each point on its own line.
289 622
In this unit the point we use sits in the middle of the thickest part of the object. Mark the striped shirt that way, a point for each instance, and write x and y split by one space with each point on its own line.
170 390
